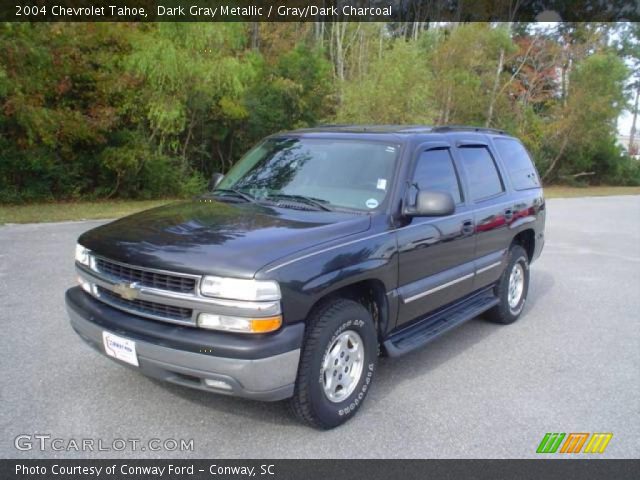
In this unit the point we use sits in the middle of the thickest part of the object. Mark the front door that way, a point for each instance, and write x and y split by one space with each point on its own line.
436 254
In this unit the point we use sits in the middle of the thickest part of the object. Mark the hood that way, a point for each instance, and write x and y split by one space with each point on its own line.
205 236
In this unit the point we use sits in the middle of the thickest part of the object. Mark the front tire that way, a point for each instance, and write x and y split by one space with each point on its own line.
337 364
512 288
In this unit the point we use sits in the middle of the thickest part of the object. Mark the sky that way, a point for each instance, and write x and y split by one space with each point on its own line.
624 123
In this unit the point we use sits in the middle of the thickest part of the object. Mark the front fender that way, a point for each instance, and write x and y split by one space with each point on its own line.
314 276
328 282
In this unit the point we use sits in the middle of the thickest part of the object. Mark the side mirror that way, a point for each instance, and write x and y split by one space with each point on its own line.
216 178
431 204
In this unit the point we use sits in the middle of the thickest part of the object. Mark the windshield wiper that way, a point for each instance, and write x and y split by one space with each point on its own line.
316 202
245 196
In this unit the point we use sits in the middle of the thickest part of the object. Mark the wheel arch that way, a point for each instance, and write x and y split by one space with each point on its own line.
527 240
371 293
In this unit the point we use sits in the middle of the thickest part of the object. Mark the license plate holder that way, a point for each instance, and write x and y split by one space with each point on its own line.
120 348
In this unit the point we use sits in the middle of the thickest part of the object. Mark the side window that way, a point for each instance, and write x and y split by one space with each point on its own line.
518 163
435 171
482 173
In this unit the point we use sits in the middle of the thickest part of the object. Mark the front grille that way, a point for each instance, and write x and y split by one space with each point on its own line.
145 307
146 278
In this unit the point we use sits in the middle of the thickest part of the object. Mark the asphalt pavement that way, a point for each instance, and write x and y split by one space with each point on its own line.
570 364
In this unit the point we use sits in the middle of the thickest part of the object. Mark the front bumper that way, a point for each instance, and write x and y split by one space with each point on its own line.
260 367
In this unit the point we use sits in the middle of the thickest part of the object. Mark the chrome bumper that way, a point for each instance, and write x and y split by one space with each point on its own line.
270 378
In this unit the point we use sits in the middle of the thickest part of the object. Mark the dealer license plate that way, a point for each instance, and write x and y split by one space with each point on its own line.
120 348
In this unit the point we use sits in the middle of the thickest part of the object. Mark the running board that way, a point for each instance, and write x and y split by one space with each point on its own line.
423 331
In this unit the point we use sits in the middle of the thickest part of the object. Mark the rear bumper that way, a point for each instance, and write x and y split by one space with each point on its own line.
258 367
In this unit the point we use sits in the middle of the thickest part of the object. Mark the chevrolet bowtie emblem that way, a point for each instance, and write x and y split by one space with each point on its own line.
128 291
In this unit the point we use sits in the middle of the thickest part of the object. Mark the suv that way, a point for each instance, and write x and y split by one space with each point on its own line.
320 250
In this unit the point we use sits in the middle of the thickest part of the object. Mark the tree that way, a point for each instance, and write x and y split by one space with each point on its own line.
60 91
585 123
395 89
629 48
295 92
467 64
196 77
145 110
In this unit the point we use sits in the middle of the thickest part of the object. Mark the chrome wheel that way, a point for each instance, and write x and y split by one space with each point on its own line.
342 366
516 285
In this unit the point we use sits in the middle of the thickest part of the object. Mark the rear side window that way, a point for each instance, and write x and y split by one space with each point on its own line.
435 171
518 163
482 173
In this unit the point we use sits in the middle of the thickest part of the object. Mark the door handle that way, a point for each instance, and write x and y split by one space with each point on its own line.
508 214
467 227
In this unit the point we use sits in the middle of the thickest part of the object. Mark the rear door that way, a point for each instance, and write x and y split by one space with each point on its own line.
435 253
492 206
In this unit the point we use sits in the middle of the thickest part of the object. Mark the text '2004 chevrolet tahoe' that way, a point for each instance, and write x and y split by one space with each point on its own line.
320 249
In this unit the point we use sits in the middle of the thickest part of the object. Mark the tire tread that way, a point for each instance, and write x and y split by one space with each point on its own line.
501 313
300 404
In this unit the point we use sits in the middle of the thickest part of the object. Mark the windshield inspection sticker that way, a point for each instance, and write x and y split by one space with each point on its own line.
382 184
371 203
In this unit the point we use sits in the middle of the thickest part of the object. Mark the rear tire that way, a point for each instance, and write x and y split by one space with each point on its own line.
337 364
512 288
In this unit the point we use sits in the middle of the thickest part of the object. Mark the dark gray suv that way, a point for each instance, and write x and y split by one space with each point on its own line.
320 250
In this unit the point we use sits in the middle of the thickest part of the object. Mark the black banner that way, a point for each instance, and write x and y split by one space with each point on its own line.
319 469
318 10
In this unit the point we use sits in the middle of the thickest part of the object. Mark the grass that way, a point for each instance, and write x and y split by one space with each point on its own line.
61 211
560 191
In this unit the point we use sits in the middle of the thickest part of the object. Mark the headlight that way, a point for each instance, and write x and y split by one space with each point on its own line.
239 289
230 323
82 255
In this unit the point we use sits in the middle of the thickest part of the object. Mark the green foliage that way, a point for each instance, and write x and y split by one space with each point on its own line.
152 110
464 65
626 171
59 105
295 92
596 99
395 89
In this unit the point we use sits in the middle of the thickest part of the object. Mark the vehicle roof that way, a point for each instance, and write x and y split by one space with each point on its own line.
399 133
393 129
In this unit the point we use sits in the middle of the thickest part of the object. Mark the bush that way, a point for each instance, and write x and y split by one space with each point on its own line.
626 172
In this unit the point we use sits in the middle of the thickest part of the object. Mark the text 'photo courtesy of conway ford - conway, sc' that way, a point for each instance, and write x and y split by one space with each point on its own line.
319 251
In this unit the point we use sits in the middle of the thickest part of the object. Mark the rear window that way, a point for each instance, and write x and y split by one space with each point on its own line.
518 163
482 174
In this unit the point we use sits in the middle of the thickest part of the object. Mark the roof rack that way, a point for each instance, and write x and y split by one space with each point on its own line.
374 128
457 128
399 127
415 129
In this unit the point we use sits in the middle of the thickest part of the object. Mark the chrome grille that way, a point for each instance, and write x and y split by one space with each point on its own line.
161 295
145 307
146 278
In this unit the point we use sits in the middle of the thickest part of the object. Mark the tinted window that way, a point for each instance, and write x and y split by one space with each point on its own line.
352 174
518 163
435 171
484 180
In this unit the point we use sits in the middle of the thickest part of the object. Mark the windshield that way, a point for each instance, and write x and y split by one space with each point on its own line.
349 174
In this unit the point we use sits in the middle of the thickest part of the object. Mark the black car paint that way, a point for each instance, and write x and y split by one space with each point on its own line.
315 253
207 235
401 254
